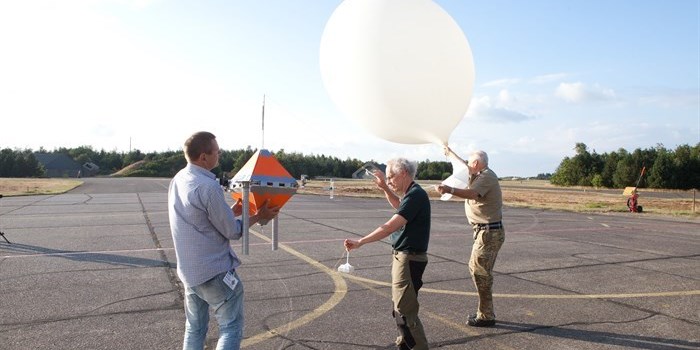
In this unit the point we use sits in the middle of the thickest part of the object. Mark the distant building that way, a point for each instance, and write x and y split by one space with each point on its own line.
59 165
361 173
90 169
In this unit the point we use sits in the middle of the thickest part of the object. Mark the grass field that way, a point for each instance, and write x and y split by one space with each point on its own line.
23 187
529 194
539 194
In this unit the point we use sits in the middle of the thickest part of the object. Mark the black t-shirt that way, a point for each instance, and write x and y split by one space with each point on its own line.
415 208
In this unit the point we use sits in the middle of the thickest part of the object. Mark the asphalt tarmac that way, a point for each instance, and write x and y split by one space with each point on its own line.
94 269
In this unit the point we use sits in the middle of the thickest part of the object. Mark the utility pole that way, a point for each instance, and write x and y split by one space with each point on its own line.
262 146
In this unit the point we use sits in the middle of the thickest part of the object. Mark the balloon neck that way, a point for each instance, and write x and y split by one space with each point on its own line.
437 140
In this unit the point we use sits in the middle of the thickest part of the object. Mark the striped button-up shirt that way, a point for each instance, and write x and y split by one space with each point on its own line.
201 223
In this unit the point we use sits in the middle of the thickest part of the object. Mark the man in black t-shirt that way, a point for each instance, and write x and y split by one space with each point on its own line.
409 228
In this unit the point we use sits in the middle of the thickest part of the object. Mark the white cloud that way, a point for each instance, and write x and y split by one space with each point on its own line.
549 78
579 92
483 109
525 142
501 82
505 97
672 98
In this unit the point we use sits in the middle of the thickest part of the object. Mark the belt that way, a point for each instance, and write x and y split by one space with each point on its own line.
408 252
492 225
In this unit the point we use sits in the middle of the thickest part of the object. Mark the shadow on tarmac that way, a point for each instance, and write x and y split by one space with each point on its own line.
97 257
561 331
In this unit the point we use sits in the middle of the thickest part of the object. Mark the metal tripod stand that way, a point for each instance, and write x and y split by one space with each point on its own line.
3 233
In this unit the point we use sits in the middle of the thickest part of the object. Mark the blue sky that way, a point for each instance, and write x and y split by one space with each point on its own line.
144 74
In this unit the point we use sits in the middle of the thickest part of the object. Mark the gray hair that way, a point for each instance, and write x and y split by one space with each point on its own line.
398 164
482 157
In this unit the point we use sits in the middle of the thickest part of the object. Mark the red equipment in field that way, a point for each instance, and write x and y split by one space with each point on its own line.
632 203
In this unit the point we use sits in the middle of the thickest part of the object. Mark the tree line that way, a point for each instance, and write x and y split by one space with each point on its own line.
23 163
664 168
671 169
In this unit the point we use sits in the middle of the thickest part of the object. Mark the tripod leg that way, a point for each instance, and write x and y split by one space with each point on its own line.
3 233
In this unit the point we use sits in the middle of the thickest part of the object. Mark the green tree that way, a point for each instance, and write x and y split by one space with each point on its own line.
133 157
565 174
109 162
82 154
661 174
19 163
578 170
686 161
610 166
625 172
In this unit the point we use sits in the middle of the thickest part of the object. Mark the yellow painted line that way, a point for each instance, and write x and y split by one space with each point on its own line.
541 296
341 289
458 326
367 283
600 296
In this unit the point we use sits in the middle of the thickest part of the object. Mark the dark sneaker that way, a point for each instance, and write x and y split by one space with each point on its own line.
474 322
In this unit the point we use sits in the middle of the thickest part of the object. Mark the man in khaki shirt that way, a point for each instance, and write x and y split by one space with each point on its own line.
483 206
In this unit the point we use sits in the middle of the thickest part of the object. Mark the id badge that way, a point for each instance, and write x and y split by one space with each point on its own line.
231 280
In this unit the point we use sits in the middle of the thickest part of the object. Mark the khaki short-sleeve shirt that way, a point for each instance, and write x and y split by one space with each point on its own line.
488 208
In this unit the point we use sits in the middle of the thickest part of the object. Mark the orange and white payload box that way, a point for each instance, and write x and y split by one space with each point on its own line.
268 179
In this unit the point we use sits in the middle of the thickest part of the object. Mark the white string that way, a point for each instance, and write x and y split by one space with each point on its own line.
337 263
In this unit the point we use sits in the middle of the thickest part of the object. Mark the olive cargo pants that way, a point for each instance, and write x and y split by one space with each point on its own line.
487 243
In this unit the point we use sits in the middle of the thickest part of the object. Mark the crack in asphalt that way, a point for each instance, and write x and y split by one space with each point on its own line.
172 276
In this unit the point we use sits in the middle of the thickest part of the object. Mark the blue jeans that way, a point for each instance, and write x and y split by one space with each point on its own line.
228 309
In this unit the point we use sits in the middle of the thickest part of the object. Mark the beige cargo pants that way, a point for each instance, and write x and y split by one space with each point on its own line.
406 279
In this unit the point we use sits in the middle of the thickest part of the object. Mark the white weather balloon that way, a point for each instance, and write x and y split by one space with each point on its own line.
403 69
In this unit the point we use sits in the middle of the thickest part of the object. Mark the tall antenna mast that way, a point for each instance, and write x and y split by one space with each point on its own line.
263 123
